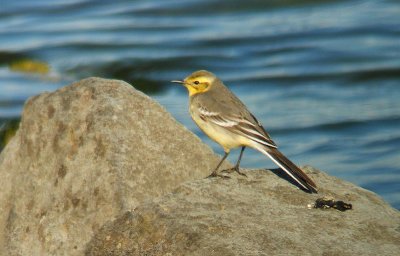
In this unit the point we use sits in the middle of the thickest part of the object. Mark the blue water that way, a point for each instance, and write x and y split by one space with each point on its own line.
322 76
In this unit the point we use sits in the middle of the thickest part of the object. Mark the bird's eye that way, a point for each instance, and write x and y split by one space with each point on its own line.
196 82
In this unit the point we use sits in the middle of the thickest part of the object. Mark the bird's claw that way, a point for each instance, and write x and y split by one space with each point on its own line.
214 174
234 169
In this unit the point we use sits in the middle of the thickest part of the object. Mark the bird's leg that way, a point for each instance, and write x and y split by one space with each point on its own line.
214 173
236 167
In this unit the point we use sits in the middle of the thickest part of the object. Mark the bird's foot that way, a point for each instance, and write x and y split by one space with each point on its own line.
214 174
234 169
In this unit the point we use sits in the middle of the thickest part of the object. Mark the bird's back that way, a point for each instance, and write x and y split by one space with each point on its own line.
220 99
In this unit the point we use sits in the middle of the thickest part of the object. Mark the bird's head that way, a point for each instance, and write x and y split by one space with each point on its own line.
198 82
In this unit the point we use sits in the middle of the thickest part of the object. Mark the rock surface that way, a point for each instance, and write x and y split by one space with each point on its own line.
84 154
259 215
98 168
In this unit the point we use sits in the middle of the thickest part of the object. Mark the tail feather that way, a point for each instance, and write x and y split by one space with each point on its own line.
289 167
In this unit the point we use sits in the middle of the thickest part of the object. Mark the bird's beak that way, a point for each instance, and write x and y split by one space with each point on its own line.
177 81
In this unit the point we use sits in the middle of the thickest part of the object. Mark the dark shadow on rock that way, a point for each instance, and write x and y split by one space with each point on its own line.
282 174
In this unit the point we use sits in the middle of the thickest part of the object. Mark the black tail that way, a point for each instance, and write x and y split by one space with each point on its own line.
289 167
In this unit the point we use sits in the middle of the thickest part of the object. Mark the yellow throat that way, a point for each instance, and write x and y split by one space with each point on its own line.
198 83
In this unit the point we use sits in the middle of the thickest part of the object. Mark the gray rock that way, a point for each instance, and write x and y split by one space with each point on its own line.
259 215
84 154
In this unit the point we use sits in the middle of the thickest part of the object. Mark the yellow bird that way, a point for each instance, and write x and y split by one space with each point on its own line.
227 121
